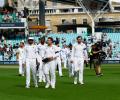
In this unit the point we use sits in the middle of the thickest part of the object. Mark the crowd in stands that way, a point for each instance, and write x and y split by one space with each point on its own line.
10 15
8 48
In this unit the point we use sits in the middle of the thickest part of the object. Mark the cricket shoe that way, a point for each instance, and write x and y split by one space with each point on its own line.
44 80
81 83
40 80
23 75
53 86
36 86
27 87
47 86
75 81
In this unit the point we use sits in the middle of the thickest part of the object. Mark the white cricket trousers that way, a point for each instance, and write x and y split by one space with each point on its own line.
78 68
21 67
58 62
70 68
49 70
64 60
41 71
31 67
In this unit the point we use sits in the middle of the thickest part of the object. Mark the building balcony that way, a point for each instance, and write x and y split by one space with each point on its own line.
58 11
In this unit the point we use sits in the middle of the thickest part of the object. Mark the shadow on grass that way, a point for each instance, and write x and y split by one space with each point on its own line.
32 86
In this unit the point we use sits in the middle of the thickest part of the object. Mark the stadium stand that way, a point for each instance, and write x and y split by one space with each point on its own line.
111 39
115 38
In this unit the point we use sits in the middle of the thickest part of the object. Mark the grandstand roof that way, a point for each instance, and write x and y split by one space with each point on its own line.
91 5
73 1
82 0
95 5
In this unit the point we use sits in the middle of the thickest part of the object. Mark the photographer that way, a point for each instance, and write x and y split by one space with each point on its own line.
96 51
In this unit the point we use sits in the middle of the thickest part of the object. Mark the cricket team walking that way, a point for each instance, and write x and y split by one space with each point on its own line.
43 59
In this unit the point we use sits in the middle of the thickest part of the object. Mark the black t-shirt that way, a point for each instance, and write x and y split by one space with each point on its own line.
96 55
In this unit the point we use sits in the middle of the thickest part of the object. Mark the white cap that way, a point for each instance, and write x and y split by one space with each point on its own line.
30 38
22 41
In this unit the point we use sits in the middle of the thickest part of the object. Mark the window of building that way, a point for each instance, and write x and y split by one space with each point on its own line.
64 10
47 23
116 8
84 21
45 3
74 21
80 9
63 21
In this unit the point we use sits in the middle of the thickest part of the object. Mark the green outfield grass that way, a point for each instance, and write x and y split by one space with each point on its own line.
107 87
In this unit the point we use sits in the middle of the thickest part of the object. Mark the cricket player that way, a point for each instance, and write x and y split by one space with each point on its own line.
41 52
70 65
58 60
49 68
79 54
30 57
64 52
20 58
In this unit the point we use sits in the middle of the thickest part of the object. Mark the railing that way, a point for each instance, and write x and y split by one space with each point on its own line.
66 10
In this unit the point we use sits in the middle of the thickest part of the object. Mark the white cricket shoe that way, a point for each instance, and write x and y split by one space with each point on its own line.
47 86
40 80
27 87
36 86
23 75
75 81
53 86
44 80
81 83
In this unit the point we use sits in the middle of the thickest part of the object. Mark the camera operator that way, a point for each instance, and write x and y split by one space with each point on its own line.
96 50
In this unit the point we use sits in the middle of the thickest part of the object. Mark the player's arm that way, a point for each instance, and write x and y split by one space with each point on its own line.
95 52
17 55
24 57
60 53
37 53
85 53
57 52
72 56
